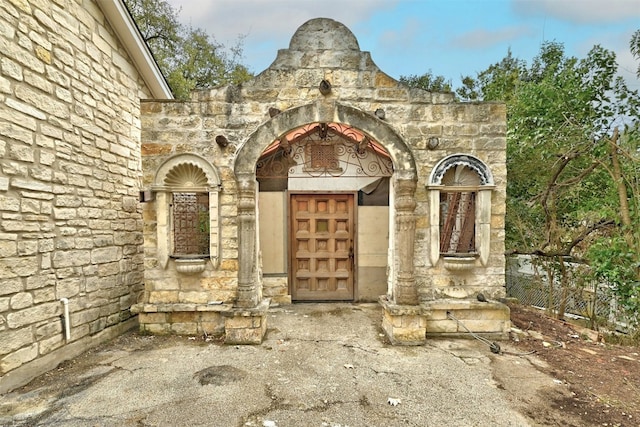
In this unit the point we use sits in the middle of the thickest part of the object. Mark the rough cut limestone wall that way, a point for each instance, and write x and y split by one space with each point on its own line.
71 224
331 52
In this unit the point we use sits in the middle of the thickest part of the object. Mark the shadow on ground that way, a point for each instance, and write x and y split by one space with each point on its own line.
320 365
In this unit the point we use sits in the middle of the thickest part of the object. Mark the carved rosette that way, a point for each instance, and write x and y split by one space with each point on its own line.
405 292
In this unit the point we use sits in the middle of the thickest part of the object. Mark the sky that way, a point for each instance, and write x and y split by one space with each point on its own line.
452 38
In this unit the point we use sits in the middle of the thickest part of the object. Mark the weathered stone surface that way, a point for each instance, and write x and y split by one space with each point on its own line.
21 300
17 358
285 97
71 258
69 169
15 339
33 314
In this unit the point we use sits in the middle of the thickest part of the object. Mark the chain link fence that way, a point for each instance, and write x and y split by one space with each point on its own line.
529 281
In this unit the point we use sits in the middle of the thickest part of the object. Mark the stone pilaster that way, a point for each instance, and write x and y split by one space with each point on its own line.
404 288
249 293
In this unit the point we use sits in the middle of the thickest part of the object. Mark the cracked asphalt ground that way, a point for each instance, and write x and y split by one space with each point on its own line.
319 365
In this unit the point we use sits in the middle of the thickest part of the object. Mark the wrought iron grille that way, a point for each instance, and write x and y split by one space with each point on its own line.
325 150
190 224
457 222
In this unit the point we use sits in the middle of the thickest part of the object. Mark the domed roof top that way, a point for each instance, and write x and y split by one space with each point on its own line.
323 34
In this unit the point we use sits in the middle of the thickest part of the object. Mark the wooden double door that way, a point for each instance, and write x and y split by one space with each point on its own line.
322 247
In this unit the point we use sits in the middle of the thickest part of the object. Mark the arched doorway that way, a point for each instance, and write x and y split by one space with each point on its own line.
323 214
371 135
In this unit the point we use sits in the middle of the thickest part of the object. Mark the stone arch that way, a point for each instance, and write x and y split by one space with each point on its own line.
486 178
181 166
402 288
249 153
482 211
185 173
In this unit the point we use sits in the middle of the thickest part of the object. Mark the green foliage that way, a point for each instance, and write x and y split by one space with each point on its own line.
496 83
613 261
634 45
427 82
572 159
189 58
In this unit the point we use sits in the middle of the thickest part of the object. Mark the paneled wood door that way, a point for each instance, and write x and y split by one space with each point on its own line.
322 251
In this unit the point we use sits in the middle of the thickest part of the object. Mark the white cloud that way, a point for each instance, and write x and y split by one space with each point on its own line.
405 36
579 11
273 19
483 38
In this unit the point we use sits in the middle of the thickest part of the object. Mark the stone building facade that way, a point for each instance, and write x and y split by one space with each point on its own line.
323 179
72 74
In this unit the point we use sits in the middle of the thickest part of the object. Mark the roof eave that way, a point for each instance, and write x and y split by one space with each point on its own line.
118 16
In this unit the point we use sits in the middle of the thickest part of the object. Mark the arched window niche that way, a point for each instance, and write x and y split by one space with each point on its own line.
460 188
186 191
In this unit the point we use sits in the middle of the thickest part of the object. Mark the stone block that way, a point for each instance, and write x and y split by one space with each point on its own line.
413 322
85 316
10 286
190 328
18 358
229 265
215 329
33 314
441 327
194 297
182 317
163 296
152 318
21 300
50 344
63 259
68 287
403 336
155 328
498 326
280 299
394 321
14 339
44 295
238 322
48 330
210 316
243 336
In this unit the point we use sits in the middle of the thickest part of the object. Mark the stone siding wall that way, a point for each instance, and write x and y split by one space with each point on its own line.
71 223
237 113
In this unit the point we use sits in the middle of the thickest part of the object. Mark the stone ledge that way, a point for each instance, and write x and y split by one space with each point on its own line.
399 310
489 319
259 310
412 324
168 307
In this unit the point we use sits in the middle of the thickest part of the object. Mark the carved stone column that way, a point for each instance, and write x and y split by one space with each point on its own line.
248 289
405 292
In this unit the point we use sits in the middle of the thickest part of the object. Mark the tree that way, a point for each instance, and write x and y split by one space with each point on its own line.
188 58
427 81
496 83
634 45
572 159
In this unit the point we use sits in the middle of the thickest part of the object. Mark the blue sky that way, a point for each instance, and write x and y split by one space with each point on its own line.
405 37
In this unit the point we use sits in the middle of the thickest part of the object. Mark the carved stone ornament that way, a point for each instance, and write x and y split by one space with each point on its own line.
190 266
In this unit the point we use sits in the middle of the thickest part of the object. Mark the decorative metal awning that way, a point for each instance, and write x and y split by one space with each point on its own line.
324 150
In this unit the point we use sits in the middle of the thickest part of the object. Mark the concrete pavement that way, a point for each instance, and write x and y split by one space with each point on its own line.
320 365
